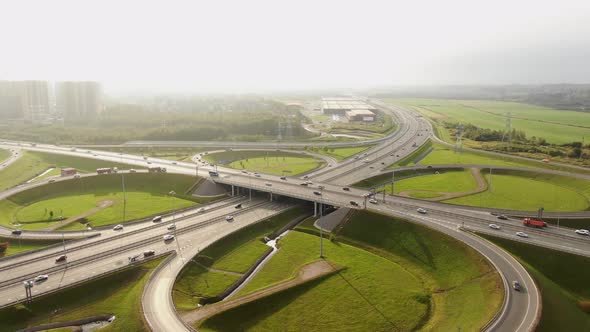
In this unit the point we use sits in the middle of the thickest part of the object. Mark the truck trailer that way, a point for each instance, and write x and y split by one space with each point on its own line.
530 222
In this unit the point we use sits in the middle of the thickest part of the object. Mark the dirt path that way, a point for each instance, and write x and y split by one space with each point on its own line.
482 185
99 206
218 270
307 273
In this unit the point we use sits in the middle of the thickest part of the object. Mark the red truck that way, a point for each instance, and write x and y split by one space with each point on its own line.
534 223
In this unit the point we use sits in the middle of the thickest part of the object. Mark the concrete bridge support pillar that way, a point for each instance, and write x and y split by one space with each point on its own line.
271 197
315 209
232 190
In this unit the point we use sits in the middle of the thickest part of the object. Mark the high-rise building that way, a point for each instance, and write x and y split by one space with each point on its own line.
24 100
78 102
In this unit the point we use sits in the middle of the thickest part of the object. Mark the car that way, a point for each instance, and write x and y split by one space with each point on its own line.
353 203
76 176
303 184
373 201
382 163
257 175
16 232
268 184
168 237
149 253
502 217
284 178
516 286
522 234
174 163
494 226
61 258
201 210
229 218
239 206
118 227
321 187
317 193
41 278
157 219
132 170
245 171
391 155
371 167
582 232
306 177
346 189
421 210
493 213
149 162
171 227
51 181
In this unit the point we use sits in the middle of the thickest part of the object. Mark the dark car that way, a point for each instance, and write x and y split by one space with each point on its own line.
17 232
503 217
61 258
353 203
239 206
346 189
516 286
317 193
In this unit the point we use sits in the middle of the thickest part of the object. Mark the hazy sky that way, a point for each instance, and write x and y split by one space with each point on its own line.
250 45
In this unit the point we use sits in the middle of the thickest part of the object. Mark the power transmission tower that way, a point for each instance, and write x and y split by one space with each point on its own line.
508 130
459 134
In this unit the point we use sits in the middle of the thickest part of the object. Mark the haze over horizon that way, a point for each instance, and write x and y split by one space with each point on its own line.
262 45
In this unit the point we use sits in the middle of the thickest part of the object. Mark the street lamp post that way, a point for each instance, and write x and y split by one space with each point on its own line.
321 229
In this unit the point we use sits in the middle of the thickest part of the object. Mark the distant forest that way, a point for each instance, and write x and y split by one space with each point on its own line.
224 118
575 97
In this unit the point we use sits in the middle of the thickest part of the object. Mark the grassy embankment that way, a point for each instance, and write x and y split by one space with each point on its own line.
31 164
235 253
402 277
271 162
4 154
118 294
16 246
146 194
341 153
562 279
521 190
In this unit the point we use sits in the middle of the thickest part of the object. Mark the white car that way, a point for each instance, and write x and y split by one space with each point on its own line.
522 234
40 278
118 227
373 201
494 226
421 210
201 210
76 176
582 232
268 184
132 170
168 237
171 227
257 175
229 218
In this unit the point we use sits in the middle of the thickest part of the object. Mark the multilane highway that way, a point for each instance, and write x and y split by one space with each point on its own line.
520 310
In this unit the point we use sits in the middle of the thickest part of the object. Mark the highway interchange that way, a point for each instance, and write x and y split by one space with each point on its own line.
195 230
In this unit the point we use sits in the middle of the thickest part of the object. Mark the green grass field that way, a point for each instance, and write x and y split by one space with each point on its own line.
118 294
342 153
271 162
4 154
412 158
31 164
557 126
147 194
401 277
530 191
371 294
452 181
562 279
18 246
236 252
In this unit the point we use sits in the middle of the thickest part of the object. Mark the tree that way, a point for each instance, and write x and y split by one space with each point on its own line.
50 215
3 247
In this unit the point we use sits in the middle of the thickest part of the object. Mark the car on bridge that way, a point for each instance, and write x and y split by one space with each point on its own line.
502 217
149 253
171 227
268 184
373 201
353 203
157 219
41 278
257 175
168 237
118 227
494 226
421 210
522 234
17 232
582 232
229 218
346 189
284 178
317 193
61 258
